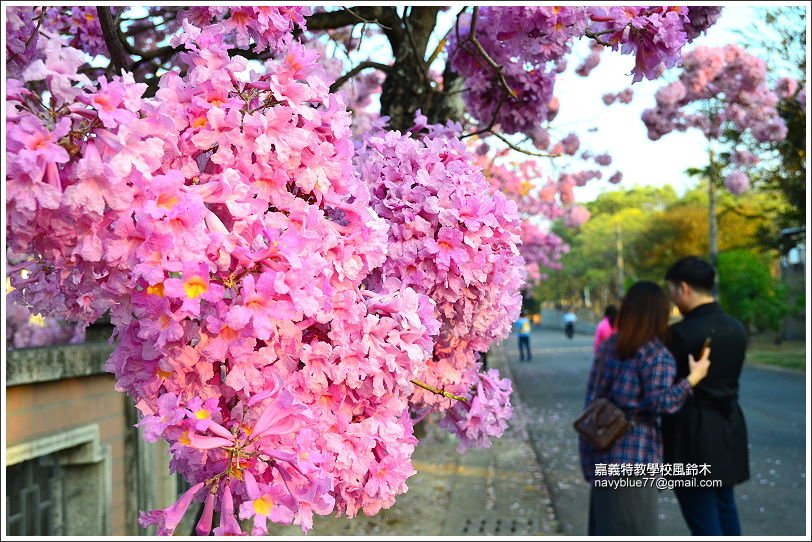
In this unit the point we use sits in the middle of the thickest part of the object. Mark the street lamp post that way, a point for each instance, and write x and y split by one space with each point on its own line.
621 278
713 236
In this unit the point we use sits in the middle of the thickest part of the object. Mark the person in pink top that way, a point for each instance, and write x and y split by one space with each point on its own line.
605 327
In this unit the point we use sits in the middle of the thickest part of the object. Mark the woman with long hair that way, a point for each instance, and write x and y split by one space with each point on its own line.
635 371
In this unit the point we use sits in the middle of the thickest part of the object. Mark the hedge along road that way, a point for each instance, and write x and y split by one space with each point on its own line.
552 387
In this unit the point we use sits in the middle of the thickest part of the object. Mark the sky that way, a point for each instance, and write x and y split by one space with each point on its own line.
618 129
621 133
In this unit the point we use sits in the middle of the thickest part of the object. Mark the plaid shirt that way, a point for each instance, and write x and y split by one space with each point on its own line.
643 386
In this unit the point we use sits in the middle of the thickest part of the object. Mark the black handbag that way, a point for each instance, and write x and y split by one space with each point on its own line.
601 423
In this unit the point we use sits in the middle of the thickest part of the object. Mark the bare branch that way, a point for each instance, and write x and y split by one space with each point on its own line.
595 36
367 21
353 72
488 128
472 39
330 20
523 151
110 31
384 16
437 50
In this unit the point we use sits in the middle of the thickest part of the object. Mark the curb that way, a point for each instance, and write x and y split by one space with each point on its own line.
520 419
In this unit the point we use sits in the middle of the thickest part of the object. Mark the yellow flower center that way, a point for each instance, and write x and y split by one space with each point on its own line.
167 201
202 414
263 505
36 320
158 289
195 287
200 121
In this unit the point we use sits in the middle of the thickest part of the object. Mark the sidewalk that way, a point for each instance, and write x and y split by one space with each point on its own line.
493 491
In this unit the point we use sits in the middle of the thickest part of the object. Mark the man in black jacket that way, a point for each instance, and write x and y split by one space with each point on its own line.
710 429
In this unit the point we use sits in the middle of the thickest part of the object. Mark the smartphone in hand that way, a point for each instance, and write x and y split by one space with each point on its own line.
705 346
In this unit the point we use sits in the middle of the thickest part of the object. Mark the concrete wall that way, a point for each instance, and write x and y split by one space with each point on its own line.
60 401
554 319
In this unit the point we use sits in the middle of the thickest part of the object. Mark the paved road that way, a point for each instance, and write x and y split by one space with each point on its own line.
771 503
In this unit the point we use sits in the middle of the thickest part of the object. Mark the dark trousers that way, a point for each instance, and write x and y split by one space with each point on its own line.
709 511
524 345
569 329
624 511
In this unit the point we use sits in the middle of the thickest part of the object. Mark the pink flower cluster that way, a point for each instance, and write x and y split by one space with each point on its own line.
522 40
452 239
80 24
786 87
21 37
592 60
654 34
484 416
737 182
269 322
269 27
729 77
744 158
528 44
27 330
540 248
224 226
700 18
625 96
575 216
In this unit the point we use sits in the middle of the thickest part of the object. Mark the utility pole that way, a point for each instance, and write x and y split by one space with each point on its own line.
713 247
621 278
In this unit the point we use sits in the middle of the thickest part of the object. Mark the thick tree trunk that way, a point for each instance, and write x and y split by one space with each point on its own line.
407 87
447 105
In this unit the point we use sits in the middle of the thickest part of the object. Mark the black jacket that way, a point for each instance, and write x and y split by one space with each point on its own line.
710 428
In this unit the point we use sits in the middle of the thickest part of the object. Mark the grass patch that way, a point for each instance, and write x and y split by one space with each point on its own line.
788 360
788 354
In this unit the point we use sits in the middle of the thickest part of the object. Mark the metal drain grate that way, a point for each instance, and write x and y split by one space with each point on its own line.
495 526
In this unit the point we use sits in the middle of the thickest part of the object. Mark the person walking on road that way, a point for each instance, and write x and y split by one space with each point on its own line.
523 324
635 371
710 428
569 323
605 327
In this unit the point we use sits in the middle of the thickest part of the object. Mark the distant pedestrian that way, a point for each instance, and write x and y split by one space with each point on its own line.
710 428
569 323
605 327
523 325
635 371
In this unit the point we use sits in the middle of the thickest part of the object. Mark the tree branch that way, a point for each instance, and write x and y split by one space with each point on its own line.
598 40
110 31
488 128
330 20
523 151
485 56
384 16
353 72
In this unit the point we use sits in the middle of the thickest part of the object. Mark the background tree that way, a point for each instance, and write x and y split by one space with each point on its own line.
750 292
